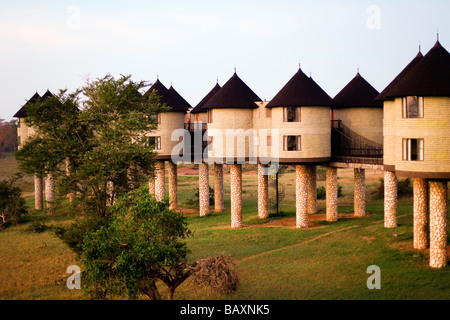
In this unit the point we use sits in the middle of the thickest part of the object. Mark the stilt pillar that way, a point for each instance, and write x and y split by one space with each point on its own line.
390 199
151 186
420 213
301 196
438 224
331 194
359 201
38 193
236 195
50 192
203 189
173 181
263 192
160 177
312 189
218 187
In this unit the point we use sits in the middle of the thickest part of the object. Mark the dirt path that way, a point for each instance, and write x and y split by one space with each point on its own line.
297 244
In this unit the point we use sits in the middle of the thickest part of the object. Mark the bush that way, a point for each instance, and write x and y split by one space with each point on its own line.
405 189
12 205
194 201
322 193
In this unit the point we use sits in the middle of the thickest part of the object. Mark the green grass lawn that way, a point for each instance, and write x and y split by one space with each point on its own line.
275 260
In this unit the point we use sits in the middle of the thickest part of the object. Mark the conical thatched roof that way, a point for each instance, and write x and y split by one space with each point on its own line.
357 93
199 107
22 113
167 97
300 90
234 94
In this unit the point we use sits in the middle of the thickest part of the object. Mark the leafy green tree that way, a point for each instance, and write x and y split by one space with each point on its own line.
95 147
12 205
143 242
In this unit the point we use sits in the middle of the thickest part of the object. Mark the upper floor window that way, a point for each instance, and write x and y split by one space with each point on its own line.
413 149
268 113
155 141
157 118
412 107
292 143
291 114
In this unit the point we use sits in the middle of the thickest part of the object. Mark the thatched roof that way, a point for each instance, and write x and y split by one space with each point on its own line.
429 77
167 97
300 90
384 95
199 107
234 94
180 99
357 93
22 113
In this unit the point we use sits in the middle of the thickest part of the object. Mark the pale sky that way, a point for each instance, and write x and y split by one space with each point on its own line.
59 44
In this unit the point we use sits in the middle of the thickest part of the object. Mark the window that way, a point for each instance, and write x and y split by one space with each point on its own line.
412 107
155 141
210 116
413 149
291 114
197 117
292 143
268 113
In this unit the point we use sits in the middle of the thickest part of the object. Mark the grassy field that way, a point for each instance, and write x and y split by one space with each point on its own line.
275 260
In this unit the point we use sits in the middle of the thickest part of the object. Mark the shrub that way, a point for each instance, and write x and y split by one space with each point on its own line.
12 205
405 189
322 192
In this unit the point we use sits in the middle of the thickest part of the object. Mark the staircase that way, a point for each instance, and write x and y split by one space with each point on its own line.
349 146
280 191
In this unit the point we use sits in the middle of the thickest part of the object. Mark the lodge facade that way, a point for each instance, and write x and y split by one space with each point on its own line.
403 131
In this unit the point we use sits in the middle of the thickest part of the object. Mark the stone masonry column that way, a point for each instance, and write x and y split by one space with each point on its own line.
312 189
263 192
203 188
173 181
160 177
390 199
218 187
331 194
50 192
38 193
301 196
359 201
420 213
438 224
236 195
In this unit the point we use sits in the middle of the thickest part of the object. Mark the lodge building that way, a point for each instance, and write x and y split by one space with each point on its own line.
403 131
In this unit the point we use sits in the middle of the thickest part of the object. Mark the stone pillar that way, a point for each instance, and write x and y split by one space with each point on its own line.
38 193
331 194
50 192
218 187
160 181
301 196
312 189
420 213
438 224
203 188
173 193
359 201
263 192
390 199
236 195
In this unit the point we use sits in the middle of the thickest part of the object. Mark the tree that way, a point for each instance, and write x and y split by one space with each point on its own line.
8 136
12 205
143 243
98 153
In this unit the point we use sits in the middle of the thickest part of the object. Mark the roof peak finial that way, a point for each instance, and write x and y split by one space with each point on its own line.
437 34
157 76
